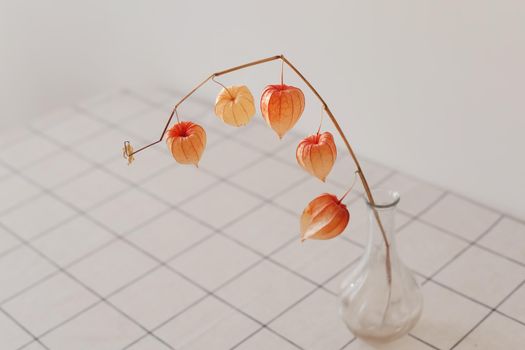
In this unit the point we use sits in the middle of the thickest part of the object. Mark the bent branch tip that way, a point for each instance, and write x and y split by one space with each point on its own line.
127 152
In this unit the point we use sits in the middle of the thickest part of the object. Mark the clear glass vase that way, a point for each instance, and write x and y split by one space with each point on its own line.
375 310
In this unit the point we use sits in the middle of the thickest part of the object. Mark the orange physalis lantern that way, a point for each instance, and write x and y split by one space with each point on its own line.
186 141
316 154
282 106
323 218
235 105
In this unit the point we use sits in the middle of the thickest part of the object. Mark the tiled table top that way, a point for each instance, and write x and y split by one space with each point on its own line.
98 255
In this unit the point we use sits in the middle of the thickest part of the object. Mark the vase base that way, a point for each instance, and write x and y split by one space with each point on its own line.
379 336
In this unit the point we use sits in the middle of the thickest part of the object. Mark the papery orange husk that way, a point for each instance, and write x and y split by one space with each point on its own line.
186 142
316 154
324 217
281 107
235 105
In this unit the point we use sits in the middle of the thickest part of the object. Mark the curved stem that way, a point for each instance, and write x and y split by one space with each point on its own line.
359 170
224 86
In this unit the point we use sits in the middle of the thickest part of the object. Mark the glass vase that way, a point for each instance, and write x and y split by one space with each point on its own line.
380 299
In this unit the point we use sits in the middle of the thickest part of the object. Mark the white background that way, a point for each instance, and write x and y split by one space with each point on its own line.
433 88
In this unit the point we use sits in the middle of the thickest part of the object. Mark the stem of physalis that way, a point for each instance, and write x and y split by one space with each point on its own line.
350 189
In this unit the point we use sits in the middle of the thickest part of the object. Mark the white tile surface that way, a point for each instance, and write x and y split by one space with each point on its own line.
121 106
265 291
53 117
100 328
482 275
111 267
145 165
461 217
168 235
102 147
227 157
208 325
265 339
90 189
496 332
148 343
313 316
99 183
34 218
262 137
4 171
34 346
127 211
344 169
148 125
13 135
50 303
52 172
11 335
425 249
210 206
298 197
7 241
224 259
318 260
80 236
178 183
16 190
446 316
32 148
265 229
268 178
507 238
156 297
76 127
514 306
21 268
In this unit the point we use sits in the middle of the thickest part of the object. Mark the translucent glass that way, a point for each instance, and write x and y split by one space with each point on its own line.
371 308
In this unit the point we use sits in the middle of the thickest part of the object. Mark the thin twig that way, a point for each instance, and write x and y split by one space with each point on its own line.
224 86
282 72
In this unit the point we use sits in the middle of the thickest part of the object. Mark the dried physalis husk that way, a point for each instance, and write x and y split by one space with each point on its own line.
127 152
281 107
186 142
316 154
235 105
324 217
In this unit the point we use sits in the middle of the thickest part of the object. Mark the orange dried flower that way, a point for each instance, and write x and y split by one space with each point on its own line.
235 105
324 217
186 141
316 154
282 106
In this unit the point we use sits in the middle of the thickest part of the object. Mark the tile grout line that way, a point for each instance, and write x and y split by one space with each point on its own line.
423 341
101 298
21 326
76 209
301 181
69 276
420 213
45 191
462 251
487 315
263 204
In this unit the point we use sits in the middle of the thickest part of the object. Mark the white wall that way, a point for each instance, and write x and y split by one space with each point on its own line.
435 88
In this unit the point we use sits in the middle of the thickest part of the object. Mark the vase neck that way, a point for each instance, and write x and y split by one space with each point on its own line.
385 208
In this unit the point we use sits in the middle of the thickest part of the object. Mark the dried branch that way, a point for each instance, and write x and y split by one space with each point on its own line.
359 170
